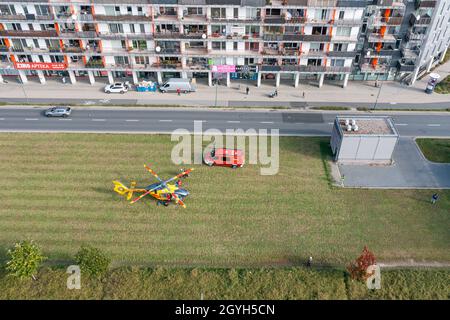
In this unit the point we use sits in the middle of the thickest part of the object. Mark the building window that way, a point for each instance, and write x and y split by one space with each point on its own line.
341 15
340 46
115 28
343 31
337 62
235 46
218 13
195 10
253 13
236 13
140 11
273 12
316 47
219 45
142 60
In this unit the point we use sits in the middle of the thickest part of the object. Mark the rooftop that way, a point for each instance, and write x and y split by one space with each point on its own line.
368 125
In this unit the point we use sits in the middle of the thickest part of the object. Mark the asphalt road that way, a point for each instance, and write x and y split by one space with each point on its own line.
153 120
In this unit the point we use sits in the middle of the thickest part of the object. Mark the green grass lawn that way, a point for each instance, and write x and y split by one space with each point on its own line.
443 86
57 190
186 283
436 150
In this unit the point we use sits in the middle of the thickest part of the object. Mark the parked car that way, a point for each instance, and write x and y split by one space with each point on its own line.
118 87
174 84
224 157
58 112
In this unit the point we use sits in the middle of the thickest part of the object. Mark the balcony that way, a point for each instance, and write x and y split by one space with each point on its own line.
367 67
411 36
423 21
342 54
12 17
125 17
196 51
376 37
274 20
386 21
196 66
78 34
271 52
425 4
73 50
95 64
194 18
406 66
29 33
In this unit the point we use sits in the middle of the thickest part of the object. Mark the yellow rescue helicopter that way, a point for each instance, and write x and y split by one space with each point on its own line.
163 191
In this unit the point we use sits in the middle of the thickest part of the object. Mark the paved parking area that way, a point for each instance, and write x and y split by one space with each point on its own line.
410 170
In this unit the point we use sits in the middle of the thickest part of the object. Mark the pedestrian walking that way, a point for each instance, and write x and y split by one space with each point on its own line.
64 80
178 91
434 198
309 262
303 94
276 93
247 90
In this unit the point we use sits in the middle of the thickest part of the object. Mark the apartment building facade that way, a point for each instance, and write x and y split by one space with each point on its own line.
257 40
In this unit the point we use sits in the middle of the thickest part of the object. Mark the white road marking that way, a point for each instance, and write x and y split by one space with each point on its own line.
65 119
401 124
269 122
98 120
132 120
165 120
330 122
231 121
433 125
31 119
393 102
2 119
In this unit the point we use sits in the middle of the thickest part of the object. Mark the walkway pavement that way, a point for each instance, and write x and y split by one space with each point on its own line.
410 170
357 94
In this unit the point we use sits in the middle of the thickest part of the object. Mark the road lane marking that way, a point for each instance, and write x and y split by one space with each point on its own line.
231 121
330 122
2 119
165 120
132 120
98 120
401 124
268 122
433 125
65 119
31 119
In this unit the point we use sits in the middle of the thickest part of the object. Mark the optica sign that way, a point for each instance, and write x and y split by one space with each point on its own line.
223 68
40 65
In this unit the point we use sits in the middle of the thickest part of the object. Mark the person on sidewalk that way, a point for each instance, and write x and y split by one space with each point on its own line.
178 91
247 90
434 198
309 262
276 93
303 94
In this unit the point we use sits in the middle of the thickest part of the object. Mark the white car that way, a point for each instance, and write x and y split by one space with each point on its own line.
118 87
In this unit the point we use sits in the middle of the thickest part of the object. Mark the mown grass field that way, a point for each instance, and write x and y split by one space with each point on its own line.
443 86
274 284
436 150
57 190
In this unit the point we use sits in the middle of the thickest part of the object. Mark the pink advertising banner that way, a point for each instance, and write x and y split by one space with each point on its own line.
223 68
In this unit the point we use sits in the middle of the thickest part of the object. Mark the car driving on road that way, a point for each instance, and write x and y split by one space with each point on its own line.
118 87
58 112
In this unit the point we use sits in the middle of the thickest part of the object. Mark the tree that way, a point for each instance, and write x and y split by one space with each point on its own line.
92 261
358 268
25 259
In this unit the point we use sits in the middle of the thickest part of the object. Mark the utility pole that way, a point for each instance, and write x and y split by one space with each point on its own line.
215 101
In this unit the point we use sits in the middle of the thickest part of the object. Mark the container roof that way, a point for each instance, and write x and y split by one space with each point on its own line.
374 126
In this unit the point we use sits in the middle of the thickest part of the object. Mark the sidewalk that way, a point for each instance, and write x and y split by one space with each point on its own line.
356 94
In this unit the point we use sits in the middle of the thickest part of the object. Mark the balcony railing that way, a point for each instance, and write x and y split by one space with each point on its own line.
78 34
29 33
380 68
307 69
12 17
376 37
125 17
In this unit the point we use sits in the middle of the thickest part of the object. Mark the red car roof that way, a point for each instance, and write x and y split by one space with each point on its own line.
223 151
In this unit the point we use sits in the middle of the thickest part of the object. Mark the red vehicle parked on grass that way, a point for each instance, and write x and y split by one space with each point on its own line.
224 157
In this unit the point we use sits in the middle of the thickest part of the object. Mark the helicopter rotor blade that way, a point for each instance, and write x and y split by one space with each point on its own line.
152 172
145 193
178 200
186 172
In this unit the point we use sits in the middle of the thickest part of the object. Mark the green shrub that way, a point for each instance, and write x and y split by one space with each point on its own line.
92 261
25 259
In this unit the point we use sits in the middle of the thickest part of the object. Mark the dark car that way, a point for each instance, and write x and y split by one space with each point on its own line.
58 112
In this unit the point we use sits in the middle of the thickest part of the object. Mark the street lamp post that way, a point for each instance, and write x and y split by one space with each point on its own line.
215 100
378 95
23 89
